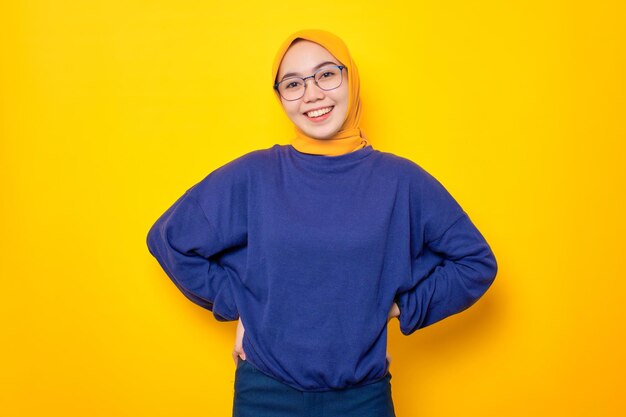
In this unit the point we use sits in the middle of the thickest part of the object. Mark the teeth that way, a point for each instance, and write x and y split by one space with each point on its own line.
318 113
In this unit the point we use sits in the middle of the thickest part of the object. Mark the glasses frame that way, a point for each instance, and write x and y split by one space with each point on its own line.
341 68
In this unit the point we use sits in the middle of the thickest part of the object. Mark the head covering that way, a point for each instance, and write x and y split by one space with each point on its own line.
350 137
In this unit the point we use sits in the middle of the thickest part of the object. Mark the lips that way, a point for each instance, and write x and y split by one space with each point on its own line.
322 118
319 108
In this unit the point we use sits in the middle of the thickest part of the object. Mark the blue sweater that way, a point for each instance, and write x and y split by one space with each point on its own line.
312 250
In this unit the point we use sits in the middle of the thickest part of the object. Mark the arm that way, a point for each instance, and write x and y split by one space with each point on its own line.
185 243
451 264
467 267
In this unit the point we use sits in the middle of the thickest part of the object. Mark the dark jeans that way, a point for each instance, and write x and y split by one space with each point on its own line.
258 395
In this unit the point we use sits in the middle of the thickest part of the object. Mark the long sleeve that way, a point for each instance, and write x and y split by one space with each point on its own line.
310 251
454 265
185 245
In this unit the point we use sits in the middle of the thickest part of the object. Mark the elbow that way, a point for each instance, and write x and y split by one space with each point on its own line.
493 267
489 272
151 239
484 273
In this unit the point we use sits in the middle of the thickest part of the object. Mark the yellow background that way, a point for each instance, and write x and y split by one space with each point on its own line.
110 110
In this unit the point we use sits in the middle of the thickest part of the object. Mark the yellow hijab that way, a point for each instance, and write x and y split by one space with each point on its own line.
350 137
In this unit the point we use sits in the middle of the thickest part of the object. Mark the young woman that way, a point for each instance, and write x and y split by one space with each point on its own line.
315 245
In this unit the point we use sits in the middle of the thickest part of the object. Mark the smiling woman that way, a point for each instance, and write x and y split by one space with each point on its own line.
315 245
326 108
324 105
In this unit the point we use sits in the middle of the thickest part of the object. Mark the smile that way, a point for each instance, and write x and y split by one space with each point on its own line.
320 114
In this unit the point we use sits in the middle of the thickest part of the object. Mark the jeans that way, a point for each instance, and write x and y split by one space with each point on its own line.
258 395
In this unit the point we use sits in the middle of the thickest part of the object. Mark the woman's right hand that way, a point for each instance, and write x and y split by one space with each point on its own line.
238 351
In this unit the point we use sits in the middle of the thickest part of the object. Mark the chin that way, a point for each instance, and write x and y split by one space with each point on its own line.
321 136
321 133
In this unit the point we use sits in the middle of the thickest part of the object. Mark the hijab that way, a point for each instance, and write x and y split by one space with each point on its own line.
349 137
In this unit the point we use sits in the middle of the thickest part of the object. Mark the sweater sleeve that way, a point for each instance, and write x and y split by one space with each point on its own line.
454 265
186 245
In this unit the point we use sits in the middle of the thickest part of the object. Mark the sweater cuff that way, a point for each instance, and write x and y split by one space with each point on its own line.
401 300
224 308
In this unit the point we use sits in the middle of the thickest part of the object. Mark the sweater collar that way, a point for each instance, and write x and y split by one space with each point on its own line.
328 160
339 145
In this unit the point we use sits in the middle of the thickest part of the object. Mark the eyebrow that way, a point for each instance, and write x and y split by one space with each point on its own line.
318 66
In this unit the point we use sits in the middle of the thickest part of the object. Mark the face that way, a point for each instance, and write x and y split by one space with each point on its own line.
301 58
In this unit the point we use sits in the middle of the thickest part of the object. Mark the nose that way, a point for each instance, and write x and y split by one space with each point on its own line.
312 91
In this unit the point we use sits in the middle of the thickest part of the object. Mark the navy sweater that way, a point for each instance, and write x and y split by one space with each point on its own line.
312 250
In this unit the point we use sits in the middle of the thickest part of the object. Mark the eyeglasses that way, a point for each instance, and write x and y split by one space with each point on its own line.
327 78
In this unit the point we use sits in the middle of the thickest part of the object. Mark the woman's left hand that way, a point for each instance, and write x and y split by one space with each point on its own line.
238 350
393 312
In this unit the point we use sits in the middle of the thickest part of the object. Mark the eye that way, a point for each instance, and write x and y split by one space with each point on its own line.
292 84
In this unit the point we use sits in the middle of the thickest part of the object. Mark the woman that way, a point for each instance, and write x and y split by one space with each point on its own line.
315 245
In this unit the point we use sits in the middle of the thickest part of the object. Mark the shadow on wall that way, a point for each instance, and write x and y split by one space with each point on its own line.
447 340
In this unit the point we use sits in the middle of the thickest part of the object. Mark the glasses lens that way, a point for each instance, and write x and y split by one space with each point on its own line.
328 78
291 88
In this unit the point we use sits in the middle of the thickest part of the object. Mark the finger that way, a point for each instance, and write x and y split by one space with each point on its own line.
240 353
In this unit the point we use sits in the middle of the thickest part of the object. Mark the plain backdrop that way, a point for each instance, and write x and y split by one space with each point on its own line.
110 110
